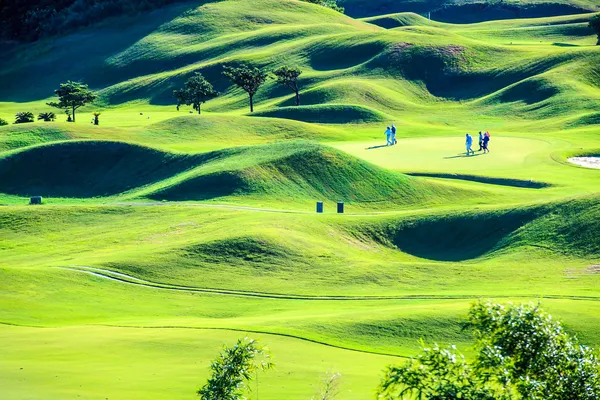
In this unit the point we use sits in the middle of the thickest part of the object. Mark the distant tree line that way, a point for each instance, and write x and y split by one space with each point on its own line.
33 19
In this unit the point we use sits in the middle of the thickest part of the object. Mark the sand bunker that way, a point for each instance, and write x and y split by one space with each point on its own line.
588 162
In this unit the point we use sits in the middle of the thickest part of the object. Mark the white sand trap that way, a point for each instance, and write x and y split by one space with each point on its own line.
588 162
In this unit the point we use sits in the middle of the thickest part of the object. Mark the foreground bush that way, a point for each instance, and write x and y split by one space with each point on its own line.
23 117
233 370
3 122
521 354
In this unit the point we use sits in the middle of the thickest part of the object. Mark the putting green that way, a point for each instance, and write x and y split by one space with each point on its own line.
447 154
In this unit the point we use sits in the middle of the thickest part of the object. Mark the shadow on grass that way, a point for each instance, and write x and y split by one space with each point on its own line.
463 155
377 147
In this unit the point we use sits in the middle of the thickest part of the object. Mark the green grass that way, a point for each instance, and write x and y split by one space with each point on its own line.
167 234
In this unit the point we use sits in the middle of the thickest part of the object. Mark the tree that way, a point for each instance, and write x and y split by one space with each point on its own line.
288 76
47 116
521 353
96 114
438 374
196 92
327 3
24 117
3 122
234 369
247 78
72 95
525 346
595 25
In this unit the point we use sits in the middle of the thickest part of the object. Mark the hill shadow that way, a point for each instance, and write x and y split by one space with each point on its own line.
21 78
88 169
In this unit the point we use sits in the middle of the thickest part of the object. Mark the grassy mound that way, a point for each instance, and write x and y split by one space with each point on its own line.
86 169
326 114
302 172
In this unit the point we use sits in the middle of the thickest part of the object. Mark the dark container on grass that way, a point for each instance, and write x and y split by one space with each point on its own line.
340 207
35 200
320 207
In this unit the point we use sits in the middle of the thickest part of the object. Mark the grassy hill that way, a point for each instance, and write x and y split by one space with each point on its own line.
166 234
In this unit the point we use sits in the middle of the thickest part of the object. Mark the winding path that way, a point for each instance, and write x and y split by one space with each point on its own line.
132 280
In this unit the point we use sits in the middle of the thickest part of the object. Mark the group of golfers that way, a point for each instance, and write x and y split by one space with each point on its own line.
484 138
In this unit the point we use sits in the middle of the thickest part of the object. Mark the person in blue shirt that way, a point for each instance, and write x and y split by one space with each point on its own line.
388 136
394 141
468 144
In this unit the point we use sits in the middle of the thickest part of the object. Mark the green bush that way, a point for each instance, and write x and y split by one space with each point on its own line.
3 122
46 116
24 117
520 350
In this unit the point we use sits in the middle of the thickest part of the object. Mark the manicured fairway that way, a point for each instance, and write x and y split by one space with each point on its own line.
165 234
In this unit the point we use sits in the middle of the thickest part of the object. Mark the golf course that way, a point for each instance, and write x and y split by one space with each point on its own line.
166 233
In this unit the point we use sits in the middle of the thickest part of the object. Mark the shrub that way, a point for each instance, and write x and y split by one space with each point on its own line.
520 349
46 116
3 122
233 370
24 117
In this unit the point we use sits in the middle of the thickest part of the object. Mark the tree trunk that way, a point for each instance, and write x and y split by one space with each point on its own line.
251 103
297 98
73 113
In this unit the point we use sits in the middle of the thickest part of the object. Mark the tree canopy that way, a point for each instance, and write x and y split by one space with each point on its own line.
233 369
197 90
522 353
250 79
288 76
327 3
73 95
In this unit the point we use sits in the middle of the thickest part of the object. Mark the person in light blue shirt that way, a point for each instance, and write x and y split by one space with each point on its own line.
468 144
388 136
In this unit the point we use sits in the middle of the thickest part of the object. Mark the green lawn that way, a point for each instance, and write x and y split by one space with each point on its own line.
165 234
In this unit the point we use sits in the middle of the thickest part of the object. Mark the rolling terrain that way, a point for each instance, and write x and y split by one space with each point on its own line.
165 234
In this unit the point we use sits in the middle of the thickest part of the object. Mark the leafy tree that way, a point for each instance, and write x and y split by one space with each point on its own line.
288 76
96 114
47 116
327 3
525 346
595 25
72 95
521 353
438 374
24 117
3 122
248 78
234 369
196 92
